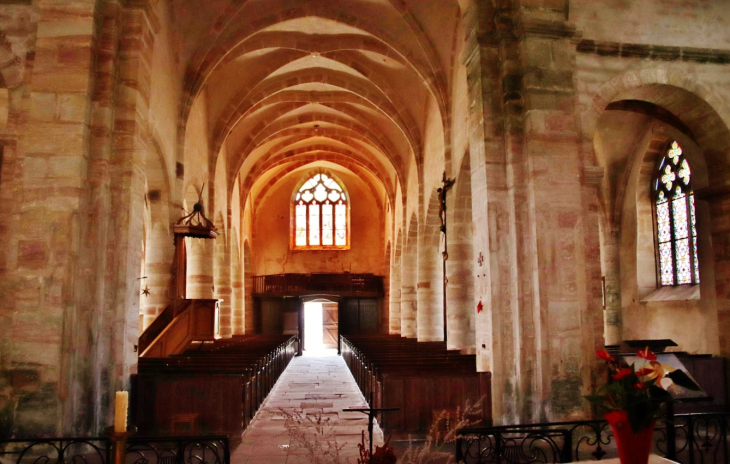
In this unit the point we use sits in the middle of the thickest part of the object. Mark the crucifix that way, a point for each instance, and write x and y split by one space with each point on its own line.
446 186
371 412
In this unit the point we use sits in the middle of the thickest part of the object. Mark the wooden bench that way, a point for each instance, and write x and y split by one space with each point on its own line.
221 383
422 379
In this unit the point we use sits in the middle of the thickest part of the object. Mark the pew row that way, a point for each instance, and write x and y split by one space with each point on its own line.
219 386
421 379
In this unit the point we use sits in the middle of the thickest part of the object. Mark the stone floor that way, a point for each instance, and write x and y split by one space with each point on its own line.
315 386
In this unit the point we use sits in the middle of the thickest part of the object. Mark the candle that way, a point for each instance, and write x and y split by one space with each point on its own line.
120 412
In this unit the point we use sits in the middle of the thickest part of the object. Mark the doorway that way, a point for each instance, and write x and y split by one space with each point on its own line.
321 328
313 328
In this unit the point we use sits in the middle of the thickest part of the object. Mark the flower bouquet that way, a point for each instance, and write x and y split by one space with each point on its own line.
633 401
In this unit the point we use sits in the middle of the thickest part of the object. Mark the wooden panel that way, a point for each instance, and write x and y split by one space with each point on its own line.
330 328
215 399
195 323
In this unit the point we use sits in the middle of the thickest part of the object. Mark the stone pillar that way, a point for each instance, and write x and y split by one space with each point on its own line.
200 268
408 280
430 277
222 282
395 288
460 306
160 252
236 287
493 218
121 321
248 306
45 323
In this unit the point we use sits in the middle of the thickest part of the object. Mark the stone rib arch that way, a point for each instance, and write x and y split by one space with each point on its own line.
646 84
207 58
376 97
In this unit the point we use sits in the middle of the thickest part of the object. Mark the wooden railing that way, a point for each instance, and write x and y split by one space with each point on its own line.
299 284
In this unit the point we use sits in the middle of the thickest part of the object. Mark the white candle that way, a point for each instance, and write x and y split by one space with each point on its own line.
120 411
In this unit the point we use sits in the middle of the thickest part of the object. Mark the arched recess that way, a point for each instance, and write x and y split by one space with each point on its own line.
248 309
222 279
460 304
631 134
430 276
199 256
649 311
409 269
395 286
237 303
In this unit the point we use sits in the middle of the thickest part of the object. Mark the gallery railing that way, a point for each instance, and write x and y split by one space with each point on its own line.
98 450
691 439
299 284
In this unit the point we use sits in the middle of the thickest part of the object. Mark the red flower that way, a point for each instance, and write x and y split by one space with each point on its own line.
646 354
603 354
622 373
644 371
639 386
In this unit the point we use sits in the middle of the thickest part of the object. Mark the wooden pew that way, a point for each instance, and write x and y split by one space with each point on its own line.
422 379
222 384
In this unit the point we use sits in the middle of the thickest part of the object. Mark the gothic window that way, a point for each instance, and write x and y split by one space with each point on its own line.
675 219
320 214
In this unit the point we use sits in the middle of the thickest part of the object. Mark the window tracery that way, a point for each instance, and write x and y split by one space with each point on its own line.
321 214
675 219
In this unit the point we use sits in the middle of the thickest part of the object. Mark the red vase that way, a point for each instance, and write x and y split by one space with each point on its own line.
633 448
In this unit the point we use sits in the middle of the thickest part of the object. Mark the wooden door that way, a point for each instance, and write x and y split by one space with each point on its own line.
329 325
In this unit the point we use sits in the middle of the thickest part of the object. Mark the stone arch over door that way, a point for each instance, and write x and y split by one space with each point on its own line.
460 303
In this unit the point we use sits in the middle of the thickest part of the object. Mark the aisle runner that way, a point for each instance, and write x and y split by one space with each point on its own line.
312 384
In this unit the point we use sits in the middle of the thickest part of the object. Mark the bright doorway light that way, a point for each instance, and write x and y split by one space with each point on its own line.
313 336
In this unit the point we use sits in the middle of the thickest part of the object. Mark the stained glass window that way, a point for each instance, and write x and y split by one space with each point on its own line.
676 231
320 213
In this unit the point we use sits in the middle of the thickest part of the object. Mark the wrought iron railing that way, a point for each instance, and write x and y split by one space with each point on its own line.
56 450
179 450
139 450
689 439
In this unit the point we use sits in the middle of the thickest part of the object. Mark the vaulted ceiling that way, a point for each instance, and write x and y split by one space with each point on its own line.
288 83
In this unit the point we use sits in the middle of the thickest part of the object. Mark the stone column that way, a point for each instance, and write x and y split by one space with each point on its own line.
200 268
45 322
222 282
160 252
248 305
236 287
460 306
430 278
493 214
129 143
395 288
408 280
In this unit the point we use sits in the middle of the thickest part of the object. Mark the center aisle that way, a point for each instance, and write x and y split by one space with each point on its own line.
314 384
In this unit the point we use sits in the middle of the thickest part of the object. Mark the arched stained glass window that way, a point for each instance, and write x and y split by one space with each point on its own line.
675 215
320 214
